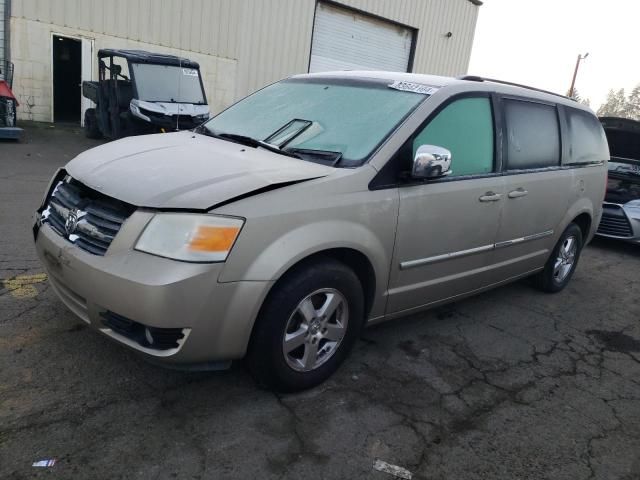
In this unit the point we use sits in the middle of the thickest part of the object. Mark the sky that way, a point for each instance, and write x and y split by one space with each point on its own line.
536 42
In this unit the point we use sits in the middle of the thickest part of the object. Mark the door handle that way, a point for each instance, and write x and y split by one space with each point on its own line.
520 192
490 197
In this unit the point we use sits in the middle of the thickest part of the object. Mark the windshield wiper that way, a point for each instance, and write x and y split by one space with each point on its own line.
288 132
328 157
245 140
249 141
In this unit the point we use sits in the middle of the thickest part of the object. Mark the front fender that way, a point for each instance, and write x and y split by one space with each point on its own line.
307 240
295 245
285 226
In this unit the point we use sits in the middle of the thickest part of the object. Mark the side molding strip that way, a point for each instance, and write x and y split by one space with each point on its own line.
528 238
463 253
446 256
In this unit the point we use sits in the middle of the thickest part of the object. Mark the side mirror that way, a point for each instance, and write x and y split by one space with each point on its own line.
431 162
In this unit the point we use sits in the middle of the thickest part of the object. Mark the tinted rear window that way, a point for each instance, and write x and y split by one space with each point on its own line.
587 142
533 135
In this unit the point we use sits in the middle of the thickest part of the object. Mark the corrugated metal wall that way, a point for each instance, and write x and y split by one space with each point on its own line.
276 41
435 52
206 26
2 27
270 38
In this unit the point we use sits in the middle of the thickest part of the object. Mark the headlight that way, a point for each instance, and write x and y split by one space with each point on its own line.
52 183
190 237
633 204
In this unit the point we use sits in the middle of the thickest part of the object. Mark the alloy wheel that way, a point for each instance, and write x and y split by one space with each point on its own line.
566 259
315 329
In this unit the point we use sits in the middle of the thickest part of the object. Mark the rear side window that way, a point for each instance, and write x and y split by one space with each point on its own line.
533 135
587 141
465 128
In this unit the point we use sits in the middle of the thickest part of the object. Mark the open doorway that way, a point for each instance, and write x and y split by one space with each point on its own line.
67 78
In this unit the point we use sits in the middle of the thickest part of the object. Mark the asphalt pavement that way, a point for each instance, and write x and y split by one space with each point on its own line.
511 384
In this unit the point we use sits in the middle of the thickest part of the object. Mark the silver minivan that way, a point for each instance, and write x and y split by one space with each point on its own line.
320 204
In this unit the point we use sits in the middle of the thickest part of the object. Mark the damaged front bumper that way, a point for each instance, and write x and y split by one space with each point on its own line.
174 313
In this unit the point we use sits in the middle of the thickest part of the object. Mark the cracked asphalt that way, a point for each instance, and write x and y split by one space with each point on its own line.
512 384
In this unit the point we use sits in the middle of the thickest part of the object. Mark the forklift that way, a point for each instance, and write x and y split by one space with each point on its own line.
8 103
140 92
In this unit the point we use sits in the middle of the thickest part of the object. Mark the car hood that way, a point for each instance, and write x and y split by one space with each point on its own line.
623 136
186 170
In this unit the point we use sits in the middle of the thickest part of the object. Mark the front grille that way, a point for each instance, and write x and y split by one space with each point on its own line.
615 222
149 337
85 217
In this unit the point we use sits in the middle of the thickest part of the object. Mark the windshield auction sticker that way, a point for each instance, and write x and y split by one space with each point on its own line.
190 72
413 87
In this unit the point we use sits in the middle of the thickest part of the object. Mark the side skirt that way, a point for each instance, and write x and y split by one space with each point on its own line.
437 303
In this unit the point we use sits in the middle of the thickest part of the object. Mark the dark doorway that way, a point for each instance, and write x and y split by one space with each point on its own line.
67 75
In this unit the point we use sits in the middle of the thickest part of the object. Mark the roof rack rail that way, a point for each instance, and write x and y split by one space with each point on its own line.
475 78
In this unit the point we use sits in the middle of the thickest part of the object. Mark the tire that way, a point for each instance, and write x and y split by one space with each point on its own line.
306 289
557 272
91 129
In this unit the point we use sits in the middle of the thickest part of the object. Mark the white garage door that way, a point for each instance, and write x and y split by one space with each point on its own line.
346 40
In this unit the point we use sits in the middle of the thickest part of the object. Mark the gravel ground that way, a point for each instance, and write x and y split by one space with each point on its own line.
512 384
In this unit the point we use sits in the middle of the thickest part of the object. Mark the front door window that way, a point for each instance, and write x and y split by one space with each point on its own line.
465 128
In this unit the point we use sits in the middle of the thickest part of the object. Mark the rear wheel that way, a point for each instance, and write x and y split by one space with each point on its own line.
91 129
307 326
563 261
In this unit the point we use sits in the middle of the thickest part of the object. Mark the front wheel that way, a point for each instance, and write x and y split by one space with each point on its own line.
563 261
307 326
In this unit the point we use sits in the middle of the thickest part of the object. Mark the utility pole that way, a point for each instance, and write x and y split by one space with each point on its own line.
575 73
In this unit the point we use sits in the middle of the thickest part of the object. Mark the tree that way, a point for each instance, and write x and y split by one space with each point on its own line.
619 105
576 96
614 105
632 107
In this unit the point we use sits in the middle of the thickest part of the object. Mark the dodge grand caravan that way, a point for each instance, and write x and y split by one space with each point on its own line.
320 204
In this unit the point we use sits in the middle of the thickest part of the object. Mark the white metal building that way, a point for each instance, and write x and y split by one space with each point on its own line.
241 45
3 20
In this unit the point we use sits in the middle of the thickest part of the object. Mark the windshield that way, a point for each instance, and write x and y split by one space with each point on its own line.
349 117
167 83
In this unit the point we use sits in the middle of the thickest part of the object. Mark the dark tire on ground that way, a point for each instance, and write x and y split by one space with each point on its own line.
556 274
266 357
91 129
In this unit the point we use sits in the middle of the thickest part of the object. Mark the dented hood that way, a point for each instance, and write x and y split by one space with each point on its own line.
185 170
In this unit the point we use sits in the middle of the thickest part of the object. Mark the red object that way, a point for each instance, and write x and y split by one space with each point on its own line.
5 91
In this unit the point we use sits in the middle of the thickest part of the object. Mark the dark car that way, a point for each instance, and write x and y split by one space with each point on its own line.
621 209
